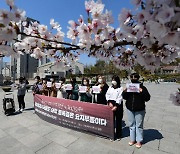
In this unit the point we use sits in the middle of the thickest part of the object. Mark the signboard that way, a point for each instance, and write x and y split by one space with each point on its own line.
96 89
40 86
58 85
49 84
82 89
68 87
132 87
82 116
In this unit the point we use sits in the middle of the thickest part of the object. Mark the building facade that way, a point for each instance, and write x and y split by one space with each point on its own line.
57 69
170 69
24 65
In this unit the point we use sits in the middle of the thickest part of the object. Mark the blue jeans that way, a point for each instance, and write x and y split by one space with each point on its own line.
136 120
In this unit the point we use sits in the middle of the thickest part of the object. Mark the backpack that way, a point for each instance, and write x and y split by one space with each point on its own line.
8 106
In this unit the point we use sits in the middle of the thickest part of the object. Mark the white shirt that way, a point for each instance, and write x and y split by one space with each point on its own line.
114 94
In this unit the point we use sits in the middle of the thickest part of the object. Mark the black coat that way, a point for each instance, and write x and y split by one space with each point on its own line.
101 97
136 101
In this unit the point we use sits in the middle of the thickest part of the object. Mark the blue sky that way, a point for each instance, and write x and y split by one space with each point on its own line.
65 10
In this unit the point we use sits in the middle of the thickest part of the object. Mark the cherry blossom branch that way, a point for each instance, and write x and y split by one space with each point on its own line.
64 43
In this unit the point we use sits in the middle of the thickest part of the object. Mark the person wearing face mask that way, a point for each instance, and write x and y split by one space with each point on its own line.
53 90
35 88
45 90
61 93
86 97
75 89
100 98
135 104
115 102
21 93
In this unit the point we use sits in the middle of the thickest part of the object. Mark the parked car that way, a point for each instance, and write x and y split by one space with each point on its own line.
169 80
8 82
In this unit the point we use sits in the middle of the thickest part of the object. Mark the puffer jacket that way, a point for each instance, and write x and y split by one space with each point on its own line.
136 101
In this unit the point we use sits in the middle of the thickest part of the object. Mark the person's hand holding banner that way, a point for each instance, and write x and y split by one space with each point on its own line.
110 105
82 89
133 87
114 108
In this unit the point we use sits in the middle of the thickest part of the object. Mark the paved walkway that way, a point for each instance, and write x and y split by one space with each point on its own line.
26 133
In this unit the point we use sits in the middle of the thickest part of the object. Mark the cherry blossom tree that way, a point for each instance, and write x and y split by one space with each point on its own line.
148 35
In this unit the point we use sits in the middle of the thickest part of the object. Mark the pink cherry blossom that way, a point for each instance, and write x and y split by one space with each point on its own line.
10 3
165 14
125 14
19 15
54 24
136 2
5 17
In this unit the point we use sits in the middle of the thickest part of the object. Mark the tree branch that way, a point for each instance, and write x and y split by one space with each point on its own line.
64 43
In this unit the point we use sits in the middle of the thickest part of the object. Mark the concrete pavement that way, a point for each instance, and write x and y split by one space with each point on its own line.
26 133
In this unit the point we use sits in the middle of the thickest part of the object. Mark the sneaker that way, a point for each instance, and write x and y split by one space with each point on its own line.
138 145
111 140
21 110
118 139
131 143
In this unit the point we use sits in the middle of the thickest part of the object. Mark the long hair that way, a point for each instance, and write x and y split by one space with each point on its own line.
86 80
117 79
103 79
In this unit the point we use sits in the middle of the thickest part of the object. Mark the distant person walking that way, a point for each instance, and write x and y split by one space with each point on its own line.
21 93
135 104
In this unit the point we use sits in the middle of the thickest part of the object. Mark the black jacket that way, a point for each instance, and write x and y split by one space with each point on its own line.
101 97
136 101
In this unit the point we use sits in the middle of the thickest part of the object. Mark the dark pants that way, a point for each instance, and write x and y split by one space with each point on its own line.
21 101
118 115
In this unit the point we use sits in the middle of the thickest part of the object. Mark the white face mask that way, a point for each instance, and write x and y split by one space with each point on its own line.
85 83
114 83
36 80
51 80
100 80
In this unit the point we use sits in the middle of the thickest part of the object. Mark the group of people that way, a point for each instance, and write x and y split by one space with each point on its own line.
112 96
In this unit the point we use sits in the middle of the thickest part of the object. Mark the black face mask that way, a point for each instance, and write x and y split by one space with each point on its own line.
134 81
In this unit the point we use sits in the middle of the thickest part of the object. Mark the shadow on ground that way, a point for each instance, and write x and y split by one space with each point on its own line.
29 109
151 135
125 132
19 112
